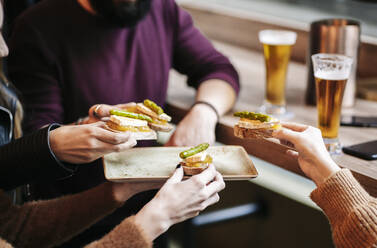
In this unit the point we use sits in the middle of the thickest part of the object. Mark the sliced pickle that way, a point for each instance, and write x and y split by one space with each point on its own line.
253 116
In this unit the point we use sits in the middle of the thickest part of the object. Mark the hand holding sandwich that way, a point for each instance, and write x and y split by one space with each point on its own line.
86 143
312 155
180 200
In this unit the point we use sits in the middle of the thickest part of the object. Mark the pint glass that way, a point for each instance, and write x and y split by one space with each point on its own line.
277 46
331 72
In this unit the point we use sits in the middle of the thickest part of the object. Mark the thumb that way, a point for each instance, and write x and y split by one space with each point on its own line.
176 177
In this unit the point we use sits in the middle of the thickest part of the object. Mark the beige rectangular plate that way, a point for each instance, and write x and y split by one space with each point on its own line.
158 163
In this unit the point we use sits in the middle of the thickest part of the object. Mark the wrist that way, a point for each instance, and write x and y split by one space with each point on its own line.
327 170
153 220
205 113
121 193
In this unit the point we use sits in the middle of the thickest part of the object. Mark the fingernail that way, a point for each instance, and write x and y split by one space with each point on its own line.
178 166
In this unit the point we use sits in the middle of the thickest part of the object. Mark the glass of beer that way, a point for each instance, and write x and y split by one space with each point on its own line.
331 72
277 46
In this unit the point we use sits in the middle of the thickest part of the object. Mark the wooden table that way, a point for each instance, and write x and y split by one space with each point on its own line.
250 66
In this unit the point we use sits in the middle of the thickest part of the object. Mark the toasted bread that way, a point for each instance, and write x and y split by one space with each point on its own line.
145 110
166 127
252 133
151 135
190 171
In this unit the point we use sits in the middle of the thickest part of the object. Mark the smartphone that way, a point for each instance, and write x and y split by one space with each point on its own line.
359 121
367 150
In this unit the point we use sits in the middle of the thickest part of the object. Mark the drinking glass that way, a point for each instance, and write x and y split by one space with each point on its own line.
331 72
277 46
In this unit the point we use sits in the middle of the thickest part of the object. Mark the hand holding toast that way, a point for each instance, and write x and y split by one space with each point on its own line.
180 200
88 142
312 155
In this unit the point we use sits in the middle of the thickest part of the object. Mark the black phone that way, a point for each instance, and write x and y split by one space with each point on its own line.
359 121
367 150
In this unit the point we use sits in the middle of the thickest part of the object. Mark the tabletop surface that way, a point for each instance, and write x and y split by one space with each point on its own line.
250 65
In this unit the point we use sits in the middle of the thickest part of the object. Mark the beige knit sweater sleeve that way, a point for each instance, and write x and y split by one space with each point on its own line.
49 223
352 212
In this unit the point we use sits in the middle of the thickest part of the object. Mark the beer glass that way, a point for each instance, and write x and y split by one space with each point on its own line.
277 46
331 72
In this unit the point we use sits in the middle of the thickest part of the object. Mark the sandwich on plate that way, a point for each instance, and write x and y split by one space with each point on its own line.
255 125
195 160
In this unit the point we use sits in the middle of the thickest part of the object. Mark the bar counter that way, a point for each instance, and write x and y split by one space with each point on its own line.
250 65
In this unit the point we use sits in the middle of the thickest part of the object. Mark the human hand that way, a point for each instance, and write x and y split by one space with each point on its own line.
180 200
123 191
86 143
99 111
197 127
313 157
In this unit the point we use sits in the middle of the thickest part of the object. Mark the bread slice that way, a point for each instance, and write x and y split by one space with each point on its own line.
166 127
252 133
190 171
125 121
137 135
145 110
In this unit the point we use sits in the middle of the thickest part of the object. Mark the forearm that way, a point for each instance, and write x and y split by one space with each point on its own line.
49 223
126 234
352 212
218 93
29 158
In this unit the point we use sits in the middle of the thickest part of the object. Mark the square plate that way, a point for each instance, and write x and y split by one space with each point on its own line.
158 163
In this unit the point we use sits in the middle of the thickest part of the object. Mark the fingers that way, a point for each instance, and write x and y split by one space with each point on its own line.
292 153
294 126
210 201
206 176
286 135
176 177
112 137
126 105
216 186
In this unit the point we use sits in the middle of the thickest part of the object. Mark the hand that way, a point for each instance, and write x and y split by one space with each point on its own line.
86 143
99 111
180 200
197 127
123 191
313 157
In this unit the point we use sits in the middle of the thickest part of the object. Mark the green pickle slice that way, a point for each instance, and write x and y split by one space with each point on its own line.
253 116
131 115
153 106
194 150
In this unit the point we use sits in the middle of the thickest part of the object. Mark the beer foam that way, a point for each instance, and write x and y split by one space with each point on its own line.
277 37
332 75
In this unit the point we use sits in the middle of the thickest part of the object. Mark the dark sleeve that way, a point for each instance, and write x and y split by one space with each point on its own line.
52 222
195 56
29 159
33 69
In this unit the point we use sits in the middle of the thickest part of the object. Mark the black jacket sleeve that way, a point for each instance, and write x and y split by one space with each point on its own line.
29 159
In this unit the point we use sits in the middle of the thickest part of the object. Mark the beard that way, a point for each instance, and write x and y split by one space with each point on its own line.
120 12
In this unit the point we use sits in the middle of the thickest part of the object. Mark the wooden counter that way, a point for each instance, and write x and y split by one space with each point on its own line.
250 66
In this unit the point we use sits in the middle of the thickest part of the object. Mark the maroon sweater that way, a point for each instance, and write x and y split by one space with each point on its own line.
64 59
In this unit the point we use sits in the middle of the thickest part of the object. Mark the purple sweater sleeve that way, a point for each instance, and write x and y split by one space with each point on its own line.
195 56
33 70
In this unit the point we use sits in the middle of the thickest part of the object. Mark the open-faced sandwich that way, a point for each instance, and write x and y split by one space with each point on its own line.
137 124
160 120
140 118
255 125
196 159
